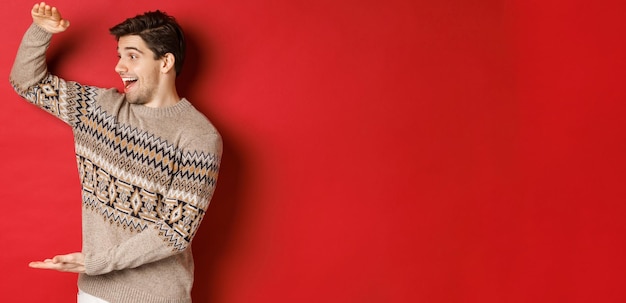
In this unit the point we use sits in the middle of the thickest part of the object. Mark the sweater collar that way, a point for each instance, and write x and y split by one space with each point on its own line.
162 112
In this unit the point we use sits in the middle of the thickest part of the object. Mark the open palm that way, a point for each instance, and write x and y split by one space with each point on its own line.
48 18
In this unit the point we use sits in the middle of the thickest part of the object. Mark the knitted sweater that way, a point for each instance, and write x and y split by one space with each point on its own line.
147 177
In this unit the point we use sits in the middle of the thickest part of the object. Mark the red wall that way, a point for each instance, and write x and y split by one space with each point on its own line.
375 151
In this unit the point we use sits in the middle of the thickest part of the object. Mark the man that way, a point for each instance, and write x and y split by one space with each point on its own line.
147 160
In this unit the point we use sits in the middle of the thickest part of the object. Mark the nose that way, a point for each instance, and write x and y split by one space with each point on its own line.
120 67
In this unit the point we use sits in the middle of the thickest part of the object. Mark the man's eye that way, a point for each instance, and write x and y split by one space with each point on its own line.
133 56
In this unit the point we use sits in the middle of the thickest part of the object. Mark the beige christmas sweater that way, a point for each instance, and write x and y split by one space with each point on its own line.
147 176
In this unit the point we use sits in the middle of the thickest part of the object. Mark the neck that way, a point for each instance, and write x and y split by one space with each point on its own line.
167 96
164 101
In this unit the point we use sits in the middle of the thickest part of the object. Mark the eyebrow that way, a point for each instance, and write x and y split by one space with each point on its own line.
132 48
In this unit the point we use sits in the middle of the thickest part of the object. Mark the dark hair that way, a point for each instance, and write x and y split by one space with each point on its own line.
161 33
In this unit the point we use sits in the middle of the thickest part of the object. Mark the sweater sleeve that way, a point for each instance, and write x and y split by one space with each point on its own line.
32 81
180 212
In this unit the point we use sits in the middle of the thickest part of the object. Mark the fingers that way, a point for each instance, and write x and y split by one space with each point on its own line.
54 12
49 18
69 258
35 10
40 9
64 267
47 264
73 262
44 10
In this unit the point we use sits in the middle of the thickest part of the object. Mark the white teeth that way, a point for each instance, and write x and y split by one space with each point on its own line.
128 81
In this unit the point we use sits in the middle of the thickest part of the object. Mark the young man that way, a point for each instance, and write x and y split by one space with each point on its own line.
147 160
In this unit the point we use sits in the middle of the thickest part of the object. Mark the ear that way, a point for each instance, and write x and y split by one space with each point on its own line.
167 63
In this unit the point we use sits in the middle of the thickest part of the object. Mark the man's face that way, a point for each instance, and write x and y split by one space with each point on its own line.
139 70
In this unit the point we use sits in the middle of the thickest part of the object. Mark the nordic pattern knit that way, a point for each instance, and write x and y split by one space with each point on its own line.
147 177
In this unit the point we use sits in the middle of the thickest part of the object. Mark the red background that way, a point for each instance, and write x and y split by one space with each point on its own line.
375 151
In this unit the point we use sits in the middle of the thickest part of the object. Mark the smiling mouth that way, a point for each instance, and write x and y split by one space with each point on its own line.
128 82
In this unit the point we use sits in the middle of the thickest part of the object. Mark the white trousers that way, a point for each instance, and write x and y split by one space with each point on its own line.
84 297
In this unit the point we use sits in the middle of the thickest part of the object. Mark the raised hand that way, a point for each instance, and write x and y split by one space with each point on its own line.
48 18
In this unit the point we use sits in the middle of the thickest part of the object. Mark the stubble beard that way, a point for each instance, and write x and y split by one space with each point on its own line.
138 98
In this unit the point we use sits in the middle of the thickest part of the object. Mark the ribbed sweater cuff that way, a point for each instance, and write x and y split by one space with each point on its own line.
39 33
94 264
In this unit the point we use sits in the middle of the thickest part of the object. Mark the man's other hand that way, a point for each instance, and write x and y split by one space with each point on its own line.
74 262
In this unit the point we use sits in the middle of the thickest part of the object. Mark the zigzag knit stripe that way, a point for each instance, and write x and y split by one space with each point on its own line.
135 208
147 180
51 89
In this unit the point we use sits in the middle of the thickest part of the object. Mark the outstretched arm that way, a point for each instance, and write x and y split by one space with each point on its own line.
30 66
30 77
49 18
